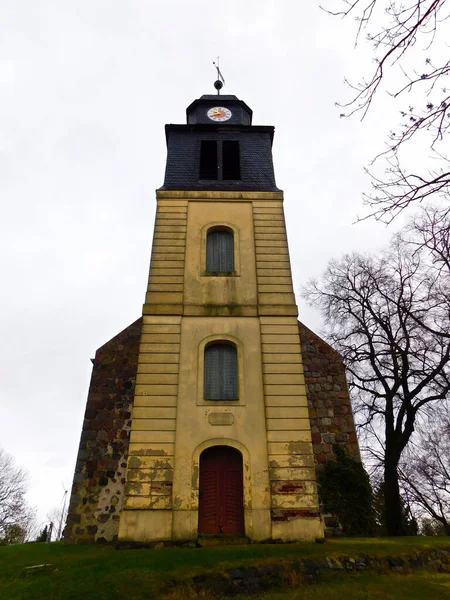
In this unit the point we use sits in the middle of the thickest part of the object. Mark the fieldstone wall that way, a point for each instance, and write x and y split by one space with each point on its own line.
330 410
287 574
97 491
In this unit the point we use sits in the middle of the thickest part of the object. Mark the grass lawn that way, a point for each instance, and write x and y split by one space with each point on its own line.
103 573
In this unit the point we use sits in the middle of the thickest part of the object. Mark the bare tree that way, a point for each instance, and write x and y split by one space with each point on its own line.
427 237
13 534
14 511
430 527
410 47
426 472
381 315
429 232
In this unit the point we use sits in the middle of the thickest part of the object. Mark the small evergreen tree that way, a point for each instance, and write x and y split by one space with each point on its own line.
42 537
345 491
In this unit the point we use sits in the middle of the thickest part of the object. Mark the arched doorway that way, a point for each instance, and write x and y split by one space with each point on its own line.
221 501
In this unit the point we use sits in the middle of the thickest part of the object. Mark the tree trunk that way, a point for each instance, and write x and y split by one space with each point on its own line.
446 525
392 500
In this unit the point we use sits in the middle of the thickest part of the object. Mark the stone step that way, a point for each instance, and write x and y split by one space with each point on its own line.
222 540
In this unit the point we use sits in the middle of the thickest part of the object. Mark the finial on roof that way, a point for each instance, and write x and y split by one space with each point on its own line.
220 80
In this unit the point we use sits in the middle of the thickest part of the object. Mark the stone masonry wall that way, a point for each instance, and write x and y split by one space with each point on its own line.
330 410
97 491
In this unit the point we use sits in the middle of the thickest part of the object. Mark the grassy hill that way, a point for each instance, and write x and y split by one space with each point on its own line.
103 573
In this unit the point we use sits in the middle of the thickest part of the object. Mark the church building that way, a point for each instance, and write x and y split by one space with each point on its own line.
209 416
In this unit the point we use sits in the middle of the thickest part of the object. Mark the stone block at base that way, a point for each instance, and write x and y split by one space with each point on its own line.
261 526
145 525
185 525
298 530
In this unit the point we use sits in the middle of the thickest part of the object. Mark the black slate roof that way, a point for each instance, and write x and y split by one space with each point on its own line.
184 142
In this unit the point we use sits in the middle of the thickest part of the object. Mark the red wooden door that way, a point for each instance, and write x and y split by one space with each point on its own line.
221 502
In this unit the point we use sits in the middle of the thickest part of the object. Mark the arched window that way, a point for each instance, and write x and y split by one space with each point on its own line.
220 251
220 372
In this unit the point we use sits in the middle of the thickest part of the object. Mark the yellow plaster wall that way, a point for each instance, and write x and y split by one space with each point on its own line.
165 284
246 431
172 423
151 452
290 453
206 294
275 292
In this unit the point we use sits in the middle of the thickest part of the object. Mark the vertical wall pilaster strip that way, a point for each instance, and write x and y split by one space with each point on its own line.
291 460
165 284
152 438
275 291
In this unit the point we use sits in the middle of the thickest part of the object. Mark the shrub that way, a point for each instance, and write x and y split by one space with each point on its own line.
345 491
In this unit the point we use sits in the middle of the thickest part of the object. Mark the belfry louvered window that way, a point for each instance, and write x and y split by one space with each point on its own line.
220 160
208 160
220 251
220 372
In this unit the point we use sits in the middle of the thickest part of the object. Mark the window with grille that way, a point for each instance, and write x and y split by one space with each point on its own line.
220 251
220 372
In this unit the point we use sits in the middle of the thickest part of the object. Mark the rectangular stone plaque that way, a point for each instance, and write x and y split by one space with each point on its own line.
221 419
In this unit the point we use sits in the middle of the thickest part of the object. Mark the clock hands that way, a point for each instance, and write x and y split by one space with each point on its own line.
219 113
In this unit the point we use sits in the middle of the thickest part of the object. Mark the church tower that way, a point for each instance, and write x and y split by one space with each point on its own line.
211 414
220 439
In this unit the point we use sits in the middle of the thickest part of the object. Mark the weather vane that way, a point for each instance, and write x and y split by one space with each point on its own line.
220 80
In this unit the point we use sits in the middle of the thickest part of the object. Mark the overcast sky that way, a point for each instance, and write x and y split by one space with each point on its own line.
86 87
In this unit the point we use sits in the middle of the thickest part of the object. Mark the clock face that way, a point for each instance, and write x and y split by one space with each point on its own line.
219 113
